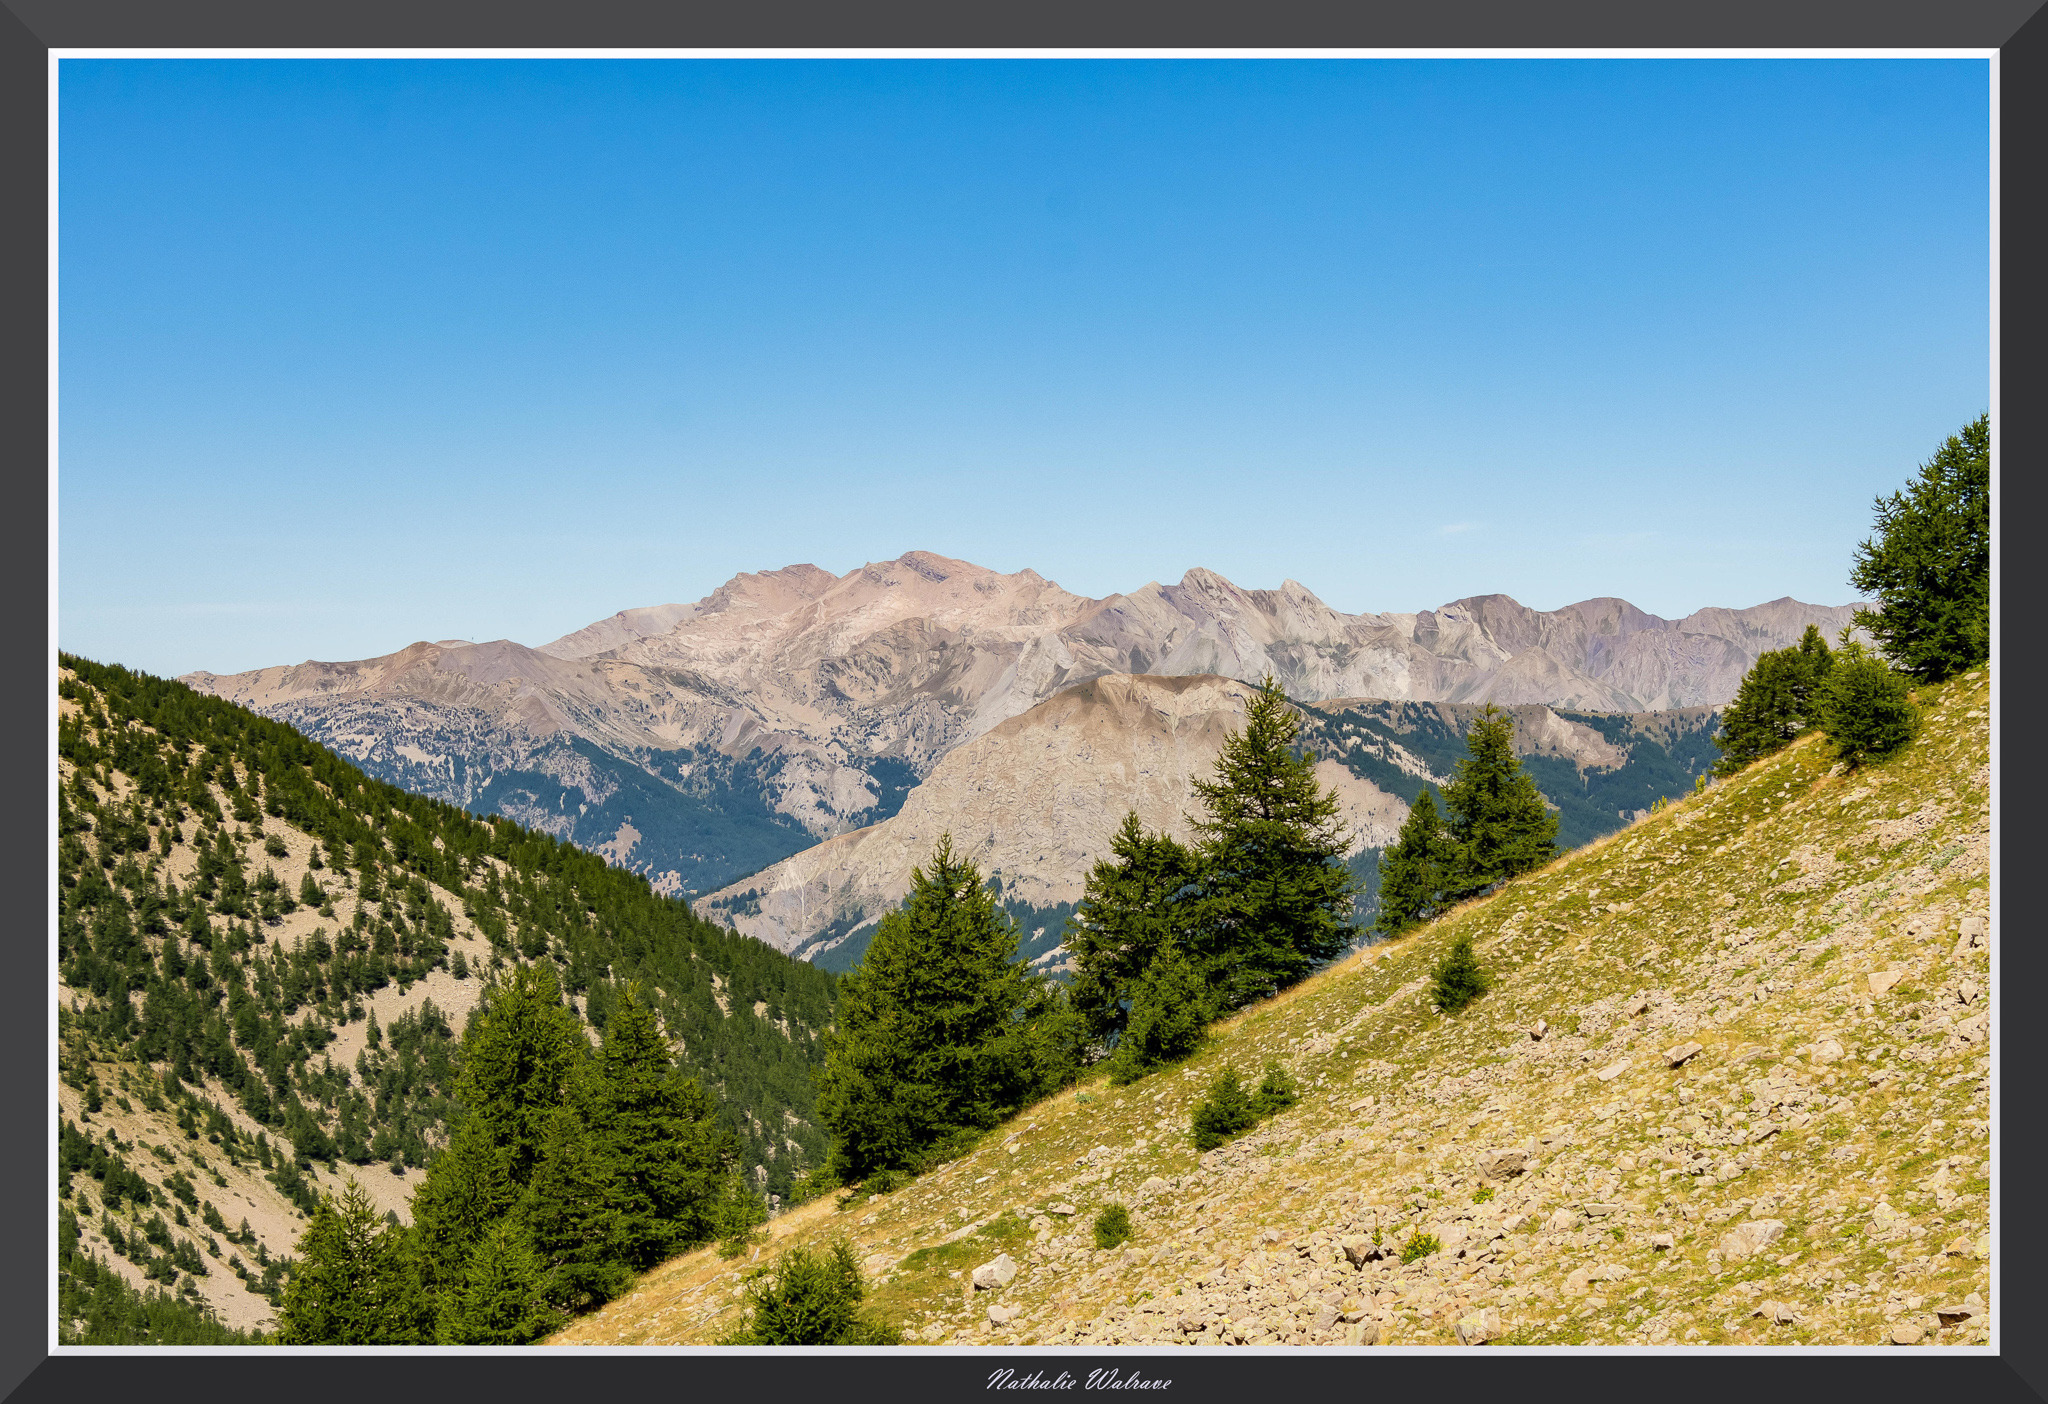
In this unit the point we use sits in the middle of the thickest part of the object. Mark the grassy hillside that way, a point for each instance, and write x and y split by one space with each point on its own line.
1816 1171
265 963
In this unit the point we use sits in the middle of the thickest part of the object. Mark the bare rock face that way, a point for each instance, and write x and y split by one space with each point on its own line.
794 705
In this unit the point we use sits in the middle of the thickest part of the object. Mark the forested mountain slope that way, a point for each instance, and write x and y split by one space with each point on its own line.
1730 1086
266 960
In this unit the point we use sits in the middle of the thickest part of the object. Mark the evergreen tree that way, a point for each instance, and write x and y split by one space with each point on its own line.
1224 1113
498 1301
932 1044
1135 903
1169 1012
1412 874
1458 979
1274 898
1500 826
1775 702
1929 562
1864 706
354 1284
810 1299
571 1214
669 1151
519 1056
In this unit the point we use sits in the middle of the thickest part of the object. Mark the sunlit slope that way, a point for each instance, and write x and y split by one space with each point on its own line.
1818 1168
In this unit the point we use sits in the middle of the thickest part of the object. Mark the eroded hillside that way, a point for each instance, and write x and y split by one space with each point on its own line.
1731 1086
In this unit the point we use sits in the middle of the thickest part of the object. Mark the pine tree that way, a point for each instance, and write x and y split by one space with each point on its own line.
1929 562
932 1044
1224 1113
1864 706
1134 904
498 1300
810 1299
668 1149
571 1215
1274 897
1500 826
354 1283
1458 978
1412 874
1169 1012
519 1057
1775 702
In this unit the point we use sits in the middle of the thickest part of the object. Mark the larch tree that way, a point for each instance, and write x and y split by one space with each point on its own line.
1274 899
1500 826
1929 562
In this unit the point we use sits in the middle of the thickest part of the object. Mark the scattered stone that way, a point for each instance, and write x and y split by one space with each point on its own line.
1955 1315
1361 1251
1362 1333
1153 1186
1779 1313
1882 980
1503 1164
1958 1247
1576 1280
1608 1272
1828 1050
1613 1070
1004 1315
1678 1056
1662 1242
874 1263
1634 1007
1746 1240
1362 1104
1908 1333
1561 1220
1040 1224
1479 1327
1538 1029
1063 1210
999 1272
1725 901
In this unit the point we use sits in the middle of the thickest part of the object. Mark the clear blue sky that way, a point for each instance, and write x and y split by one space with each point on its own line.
358 353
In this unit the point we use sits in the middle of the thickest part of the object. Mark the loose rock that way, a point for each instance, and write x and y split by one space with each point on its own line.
999 1272
1479 1327
1680 1055
1746 1240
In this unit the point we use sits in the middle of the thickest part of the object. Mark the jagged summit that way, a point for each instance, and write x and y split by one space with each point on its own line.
808 702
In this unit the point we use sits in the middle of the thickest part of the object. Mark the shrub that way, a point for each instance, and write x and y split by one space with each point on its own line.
1864 707
1419 1245
1458 978
809 1299
1112 1226
1224 1113
1277 1092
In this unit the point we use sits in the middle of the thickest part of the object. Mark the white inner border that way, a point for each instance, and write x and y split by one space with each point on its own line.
1120 1354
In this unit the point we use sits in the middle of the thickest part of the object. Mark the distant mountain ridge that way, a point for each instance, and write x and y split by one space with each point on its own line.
1034 801
699 742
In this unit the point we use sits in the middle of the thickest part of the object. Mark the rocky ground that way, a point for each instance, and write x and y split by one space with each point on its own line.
1731 1087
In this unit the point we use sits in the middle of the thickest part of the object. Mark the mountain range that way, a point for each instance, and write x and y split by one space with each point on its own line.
701 743
1035 800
